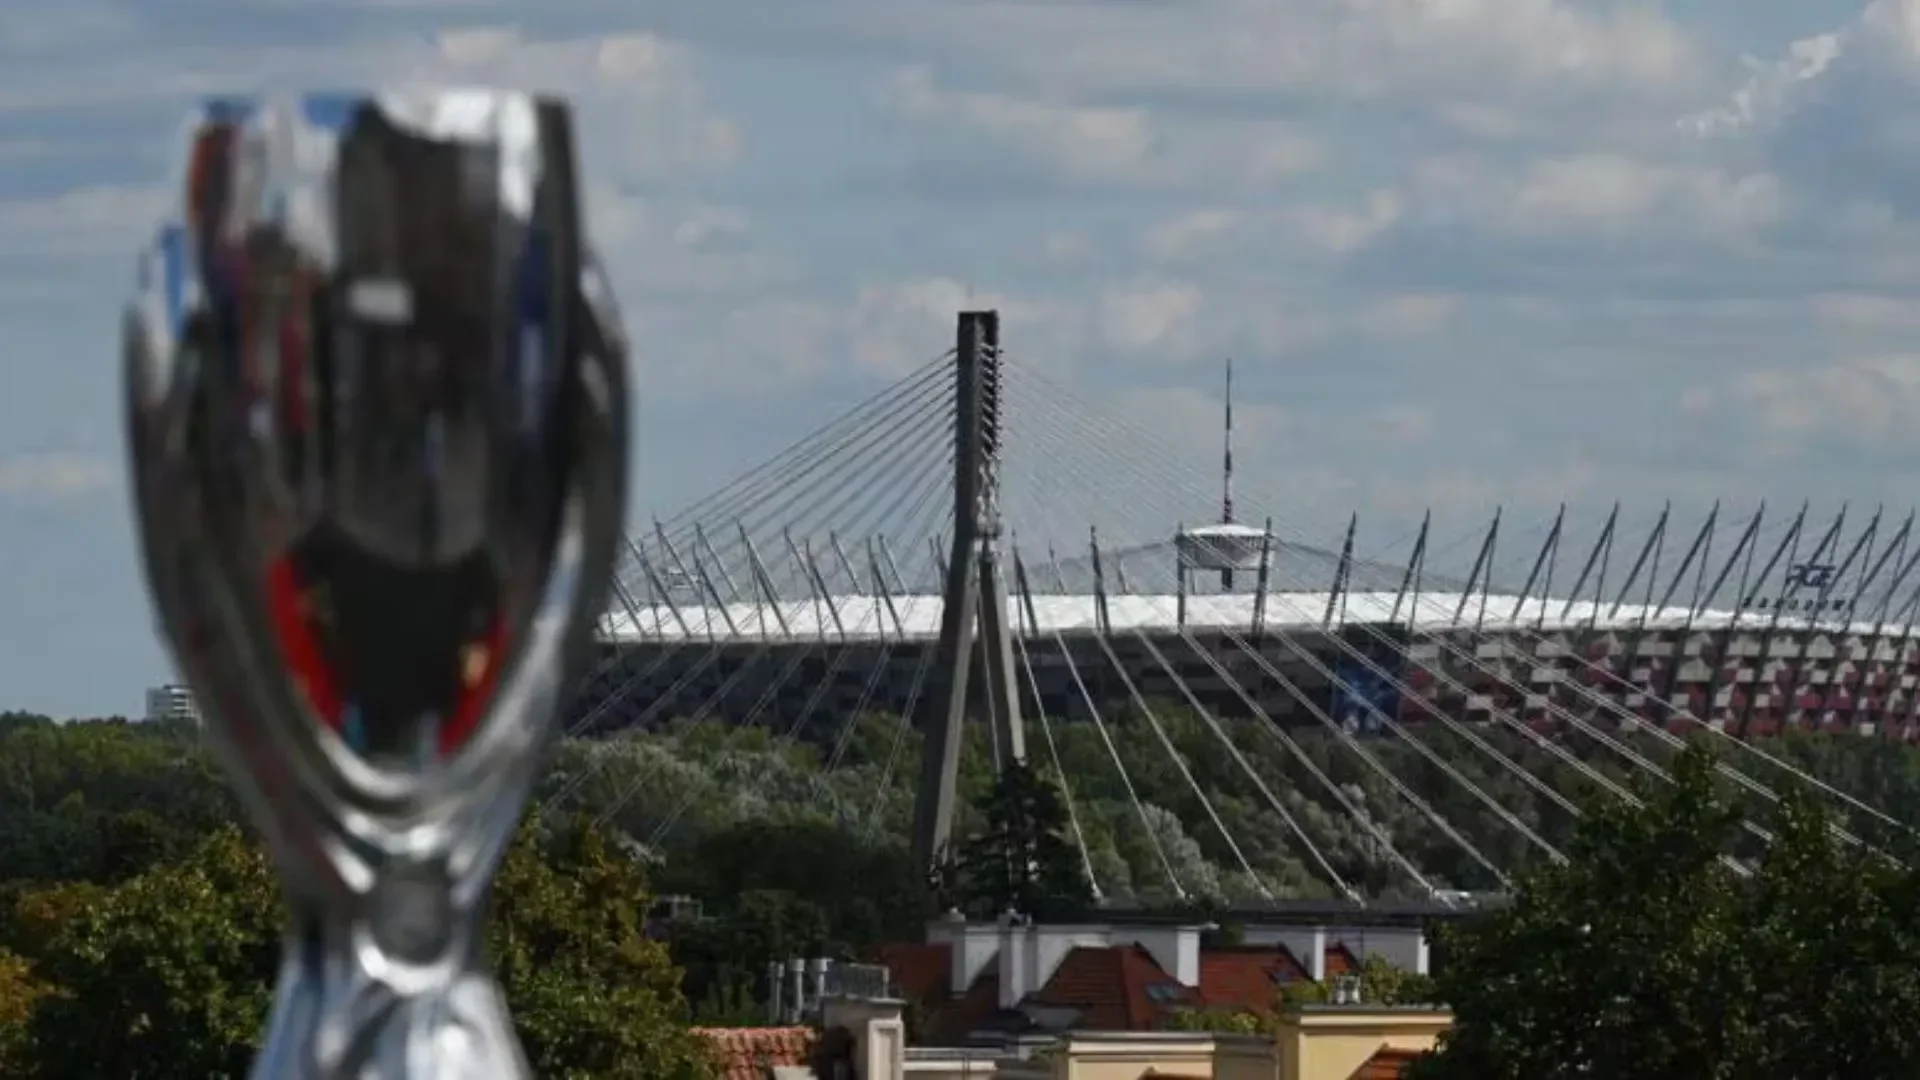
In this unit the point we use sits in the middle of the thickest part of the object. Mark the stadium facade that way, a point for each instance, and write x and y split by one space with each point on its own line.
1822 641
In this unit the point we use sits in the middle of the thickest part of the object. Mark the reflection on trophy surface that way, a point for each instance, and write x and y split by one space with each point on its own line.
376 405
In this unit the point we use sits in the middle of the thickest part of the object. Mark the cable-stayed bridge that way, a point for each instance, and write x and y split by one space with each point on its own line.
978 543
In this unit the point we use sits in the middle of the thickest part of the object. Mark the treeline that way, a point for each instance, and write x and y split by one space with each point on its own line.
139 926
1650 952
1285 803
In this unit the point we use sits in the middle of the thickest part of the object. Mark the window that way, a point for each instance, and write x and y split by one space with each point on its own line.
1164 992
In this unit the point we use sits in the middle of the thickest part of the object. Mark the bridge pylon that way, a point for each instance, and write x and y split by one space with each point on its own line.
974 615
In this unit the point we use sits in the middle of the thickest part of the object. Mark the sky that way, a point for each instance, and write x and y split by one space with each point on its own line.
1464 253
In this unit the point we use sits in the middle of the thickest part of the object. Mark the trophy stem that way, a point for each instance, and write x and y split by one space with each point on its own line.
344 1009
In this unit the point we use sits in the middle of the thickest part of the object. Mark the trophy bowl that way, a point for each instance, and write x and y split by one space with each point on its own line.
376 408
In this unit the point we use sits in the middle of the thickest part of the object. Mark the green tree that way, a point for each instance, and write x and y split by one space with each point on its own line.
169 973
1022 859
863 887
591 995
1384 983
20 995
1647 955
730 1001
760 926
165 975
102 800
1224 1021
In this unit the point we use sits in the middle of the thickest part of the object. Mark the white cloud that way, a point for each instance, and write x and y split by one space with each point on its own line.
1189 234
1083 142
1156 317
53 475
648 113
1361 49
1451 492
1835 113
1191 420
642 108
654 246
81 223
1412 314
1342 230
25 30
1866 311
1610 190
1098 144
1591 188
1870 399
1602 193
756 350
1468 244
894 327
1403 423
1064 247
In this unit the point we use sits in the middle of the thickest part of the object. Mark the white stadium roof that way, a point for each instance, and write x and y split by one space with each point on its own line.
869 617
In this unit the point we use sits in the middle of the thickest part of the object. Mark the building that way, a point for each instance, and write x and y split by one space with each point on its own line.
1795 624
171 703
997 983
1018 1001
1848 677
865 1038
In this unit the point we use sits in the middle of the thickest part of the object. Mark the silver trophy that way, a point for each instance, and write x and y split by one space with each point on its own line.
376 402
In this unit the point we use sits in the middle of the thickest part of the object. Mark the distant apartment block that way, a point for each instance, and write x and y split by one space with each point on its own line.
171 702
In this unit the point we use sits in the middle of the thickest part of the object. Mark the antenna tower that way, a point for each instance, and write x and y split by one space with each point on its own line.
1226 477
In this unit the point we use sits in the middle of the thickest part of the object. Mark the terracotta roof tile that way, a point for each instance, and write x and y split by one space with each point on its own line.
747 1053
1117 988
1114 988
1246 977
951 1019
1341 961
921 972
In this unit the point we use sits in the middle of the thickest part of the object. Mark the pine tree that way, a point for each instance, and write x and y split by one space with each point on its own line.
1022 859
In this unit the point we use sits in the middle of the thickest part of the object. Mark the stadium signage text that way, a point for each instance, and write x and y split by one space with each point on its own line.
1809 576
1801 578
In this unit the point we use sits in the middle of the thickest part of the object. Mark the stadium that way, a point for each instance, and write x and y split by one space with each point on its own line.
786 597
977 545
1349 648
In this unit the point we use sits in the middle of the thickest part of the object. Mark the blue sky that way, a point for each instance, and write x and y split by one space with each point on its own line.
1464 252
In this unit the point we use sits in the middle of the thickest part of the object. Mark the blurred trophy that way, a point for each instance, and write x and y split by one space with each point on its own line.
376 401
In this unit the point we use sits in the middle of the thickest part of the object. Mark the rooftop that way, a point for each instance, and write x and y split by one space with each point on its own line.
917 616
747 1053
1118 987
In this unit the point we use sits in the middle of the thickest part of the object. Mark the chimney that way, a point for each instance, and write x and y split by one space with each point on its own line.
1175 948
1406 948
1308 944
1016 960
776 972
879 1034
817 976
973 946
797 987
1346 990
